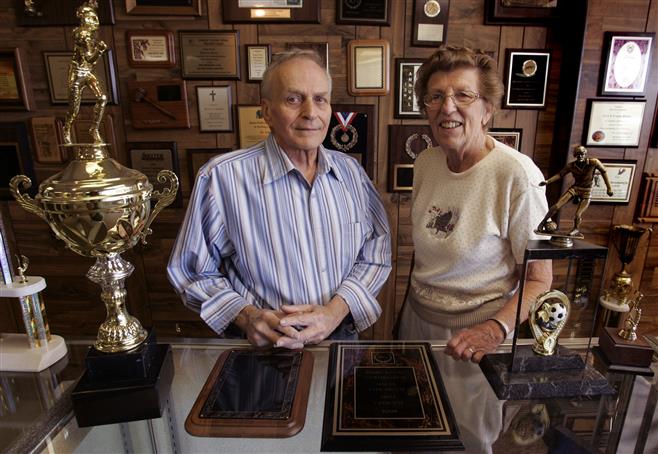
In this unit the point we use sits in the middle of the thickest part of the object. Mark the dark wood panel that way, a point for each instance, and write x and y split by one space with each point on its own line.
74 302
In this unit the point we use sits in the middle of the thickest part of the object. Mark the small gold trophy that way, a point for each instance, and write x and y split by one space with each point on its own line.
618 296
548 315
623 348
100 209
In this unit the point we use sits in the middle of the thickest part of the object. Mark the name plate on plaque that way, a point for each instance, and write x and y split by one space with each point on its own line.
253 393
386 396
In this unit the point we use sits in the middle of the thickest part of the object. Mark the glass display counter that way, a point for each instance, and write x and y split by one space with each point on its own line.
36 413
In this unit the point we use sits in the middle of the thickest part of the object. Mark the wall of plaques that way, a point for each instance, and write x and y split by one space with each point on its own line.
184 82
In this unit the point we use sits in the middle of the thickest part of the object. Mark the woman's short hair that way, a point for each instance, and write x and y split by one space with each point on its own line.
280 58
449 58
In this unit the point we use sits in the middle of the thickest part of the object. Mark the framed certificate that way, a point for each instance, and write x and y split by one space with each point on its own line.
386 396
521 12
215 113
197 157
15 157
57 69
526 78
252 127
151 48
368 67
46 138
363 12
164 7
430 24
509 136
405 143
352 131
406 105
258 59
270 11
152 157
210 54
613 123
627 59
621 174
15 86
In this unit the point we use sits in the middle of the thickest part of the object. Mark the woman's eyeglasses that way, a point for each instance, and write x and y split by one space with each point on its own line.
460 98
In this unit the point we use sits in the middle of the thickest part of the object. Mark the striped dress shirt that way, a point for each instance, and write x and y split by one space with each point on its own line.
257 233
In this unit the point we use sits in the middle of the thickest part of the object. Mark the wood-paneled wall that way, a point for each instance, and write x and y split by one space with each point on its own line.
73 303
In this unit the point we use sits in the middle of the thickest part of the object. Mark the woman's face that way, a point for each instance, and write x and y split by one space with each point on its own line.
458 128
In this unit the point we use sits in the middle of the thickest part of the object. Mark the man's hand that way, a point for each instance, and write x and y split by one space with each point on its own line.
472 344
318 322
263 328
610 193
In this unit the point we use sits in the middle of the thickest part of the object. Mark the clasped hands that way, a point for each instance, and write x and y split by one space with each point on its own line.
473 343
293 325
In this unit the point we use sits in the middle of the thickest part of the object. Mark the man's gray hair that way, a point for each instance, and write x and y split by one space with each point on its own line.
279 58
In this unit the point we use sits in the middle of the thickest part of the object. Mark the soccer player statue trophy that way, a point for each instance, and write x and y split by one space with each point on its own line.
101 209
582 169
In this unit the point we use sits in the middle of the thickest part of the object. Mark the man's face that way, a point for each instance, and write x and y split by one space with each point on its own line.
299 112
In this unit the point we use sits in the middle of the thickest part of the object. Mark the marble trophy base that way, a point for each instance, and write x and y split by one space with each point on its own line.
541 377
621 355
126 386
16 355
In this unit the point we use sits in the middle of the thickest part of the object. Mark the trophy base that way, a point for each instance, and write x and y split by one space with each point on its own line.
545 384
618 351
16 355
127 365
122 397
561 239
526 360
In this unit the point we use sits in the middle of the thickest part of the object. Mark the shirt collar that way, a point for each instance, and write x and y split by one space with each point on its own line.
278 164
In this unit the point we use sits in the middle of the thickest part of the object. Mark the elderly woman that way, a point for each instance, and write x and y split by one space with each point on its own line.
475 204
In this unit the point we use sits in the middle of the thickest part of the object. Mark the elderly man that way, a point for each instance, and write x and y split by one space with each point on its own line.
286 240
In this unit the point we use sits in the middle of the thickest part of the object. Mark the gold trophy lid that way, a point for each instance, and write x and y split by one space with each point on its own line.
94 180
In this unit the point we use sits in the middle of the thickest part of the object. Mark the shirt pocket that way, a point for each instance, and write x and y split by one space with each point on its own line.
353 236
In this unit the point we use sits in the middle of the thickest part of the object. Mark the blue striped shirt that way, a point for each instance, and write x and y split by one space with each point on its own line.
257 233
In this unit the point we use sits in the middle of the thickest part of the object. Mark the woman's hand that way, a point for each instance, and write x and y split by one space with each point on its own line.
473 343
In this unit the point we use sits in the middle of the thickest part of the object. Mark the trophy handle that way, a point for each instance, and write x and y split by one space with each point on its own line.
164 198
24 200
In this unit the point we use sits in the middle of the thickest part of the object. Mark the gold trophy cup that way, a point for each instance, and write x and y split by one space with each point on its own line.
619 295
100 208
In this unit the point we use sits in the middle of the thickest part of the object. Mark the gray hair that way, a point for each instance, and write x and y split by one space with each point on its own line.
280 58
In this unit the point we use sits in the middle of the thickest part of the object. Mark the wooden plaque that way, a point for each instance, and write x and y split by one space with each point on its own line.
270 11
158 104
386 396
405 143
253 393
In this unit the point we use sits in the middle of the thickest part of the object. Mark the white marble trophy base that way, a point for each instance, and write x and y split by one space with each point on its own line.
613 304
17 356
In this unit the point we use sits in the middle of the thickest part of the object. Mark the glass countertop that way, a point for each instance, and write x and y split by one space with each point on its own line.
36 413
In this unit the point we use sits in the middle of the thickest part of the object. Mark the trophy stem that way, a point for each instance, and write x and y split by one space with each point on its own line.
120 331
